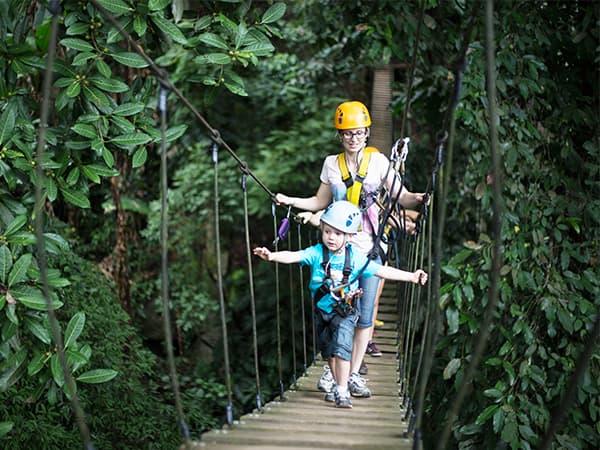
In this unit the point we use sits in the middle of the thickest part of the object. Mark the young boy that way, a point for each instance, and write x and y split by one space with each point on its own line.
334 264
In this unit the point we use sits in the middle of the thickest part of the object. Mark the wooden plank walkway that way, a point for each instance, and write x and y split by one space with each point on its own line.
305 420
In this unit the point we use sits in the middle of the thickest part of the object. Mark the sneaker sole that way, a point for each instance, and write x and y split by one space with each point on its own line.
375 355
360 396
344 406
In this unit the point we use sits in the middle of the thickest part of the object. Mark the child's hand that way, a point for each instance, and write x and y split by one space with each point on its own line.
420 277
263 253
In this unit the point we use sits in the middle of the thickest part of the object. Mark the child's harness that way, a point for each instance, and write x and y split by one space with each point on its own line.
345 304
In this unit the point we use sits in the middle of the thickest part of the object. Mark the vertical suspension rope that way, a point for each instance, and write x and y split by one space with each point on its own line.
54 9
301 280
448 134
229 407
292 312
252 297
164 275
277 309
484 331
408 322
413 65
427 308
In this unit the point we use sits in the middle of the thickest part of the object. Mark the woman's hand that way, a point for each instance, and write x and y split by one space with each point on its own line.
282 199
262 253
305 217
420 277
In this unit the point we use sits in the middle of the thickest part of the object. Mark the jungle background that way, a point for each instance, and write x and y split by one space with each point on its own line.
268 76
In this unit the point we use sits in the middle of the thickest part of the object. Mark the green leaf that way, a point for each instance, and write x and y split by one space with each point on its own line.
5 263
128 109
486 414
452 271
33 298
19 269
140 25
103 68
236 89
36 364
109 84
85 130
274 13
213 40
451 368
96 96
51 189
82 58
218 58
73 90
158 5
38 330
139 157
73 176
76 198
170 29
5 428
74 328
130 59
57 370
76 359
97 376
104 171
116 7
90 174
175 132
452 318
78 28
77 44
15 225
498 420
108 157
131 139
7 124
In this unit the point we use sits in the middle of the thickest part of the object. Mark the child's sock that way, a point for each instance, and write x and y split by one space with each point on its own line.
342 390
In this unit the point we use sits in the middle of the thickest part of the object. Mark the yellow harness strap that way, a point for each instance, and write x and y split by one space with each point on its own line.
354 185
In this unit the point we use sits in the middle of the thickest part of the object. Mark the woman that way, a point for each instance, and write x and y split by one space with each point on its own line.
355 175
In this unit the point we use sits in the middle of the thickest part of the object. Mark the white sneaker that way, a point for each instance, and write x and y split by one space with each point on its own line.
357 386
326 382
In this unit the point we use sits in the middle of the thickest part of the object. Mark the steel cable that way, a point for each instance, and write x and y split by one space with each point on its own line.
229 407
252 297
54 9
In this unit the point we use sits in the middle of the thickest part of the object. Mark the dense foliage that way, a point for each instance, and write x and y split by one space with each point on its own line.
268 76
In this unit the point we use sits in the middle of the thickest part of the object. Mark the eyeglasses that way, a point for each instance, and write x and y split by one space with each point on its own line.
348 135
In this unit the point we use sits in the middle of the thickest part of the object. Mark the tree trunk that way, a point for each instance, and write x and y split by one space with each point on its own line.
120 259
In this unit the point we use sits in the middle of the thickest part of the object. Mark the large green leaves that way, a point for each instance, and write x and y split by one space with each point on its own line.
274 13
5 263
116 7
74 329
169 28
7 123
19 269
97 376
130 59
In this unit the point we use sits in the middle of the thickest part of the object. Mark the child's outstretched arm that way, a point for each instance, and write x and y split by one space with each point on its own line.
280 257
389 273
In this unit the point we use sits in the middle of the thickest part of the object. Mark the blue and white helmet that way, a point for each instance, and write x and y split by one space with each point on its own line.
343 216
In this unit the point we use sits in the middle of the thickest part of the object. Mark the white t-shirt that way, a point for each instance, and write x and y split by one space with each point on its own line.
378 168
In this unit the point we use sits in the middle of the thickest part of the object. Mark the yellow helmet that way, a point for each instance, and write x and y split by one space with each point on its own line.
350 115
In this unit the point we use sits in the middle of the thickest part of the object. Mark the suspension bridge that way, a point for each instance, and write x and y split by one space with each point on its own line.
298 417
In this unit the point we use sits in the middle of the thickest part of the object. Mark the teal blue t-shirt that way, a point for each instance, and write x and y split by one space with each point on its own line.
313 257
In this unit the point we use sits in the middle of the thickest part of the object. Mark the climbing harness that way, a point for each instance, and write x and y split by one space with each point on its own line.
354 184
345 302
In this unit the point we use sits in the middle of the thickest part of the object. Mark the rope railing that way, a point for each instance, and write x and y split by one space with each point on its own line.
54 8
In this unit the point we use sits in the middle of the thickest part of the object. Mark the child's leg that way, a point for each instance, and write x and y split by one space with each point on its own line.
342 370
332 365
